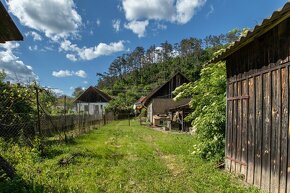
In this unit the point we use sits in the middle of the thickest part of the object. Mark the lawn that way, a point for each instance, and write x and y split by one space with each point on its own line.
118 158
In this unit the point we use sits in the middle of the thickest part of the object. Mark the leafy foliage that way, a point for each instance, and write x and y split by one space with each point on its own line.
209 106
18 107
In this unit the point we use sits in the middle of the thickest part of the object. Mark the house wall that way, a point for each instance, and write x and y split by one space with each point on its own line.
150 112
92 108
161 106
257 132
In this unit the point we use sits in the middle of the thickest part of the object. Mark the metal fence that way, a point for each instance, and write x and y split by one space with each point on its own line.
27 117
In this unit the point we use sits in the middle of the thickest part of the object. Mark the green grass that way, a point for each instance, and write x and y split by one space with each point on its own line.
118 158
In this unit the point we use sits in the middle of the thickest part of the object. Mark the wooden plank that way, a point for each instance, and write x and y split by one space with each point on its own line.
244 128
238 97
229 127
288 149
260 72
266 148
275 132
239 133
258 130
234 133
251 133
284 128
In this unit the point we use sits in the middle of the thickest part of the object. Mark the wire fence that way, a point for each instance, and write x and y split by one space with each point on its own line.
24 115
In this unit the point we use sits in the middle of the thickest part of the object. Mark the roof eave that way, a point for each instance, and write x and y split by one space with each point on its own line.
276 18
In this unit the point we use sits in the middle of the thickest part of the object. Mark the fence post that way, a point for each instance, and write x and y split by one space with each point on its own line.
65 125
79 117
38 111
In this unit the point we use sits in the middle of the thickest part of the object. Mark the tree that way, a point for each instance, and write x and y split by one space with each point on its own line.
78 91
166 50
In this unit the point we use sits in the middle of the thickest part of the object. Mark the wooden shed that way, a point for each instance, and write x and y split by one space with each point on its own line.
8 30
161 100
258 130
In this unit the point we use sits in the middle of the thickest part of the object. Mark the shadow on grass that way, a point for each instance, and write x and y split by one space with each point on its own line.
73 157
18 185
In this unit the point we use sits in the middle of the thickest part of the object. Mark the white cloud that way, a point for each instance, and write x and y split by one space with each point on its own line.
148 9
174 11
138 27
116 24
34 35
14 68
98 22
161 26
81 74
179 11
59 21
185 9
211 11
57 91
85 82
33 48
55 18
71 57
90 53
68 73
62 73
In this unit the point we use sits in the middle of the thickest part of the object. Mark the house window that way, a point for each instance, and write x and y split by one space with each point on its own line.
102 107
86 108
96 109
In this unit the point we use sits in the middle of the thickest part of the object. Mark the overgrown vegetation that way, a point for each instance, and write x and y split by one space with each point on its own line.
116 158
209 107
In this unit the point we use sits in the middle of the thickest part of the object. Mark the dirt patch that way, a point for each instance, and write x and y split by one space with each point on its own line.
173 165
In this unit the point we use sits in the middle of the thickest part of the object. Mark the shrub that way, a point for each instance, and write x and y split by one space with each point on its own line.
208 106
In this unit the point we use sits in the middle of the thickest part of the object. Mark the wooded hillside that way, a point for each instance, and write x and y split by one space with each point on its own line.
135 74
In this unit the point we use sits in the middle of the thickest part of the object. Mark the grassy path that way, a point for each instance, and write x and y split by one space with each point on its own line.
118 158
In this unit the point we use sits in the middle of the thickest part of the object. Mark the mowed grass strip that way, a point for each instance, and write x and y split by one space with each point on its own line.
121 158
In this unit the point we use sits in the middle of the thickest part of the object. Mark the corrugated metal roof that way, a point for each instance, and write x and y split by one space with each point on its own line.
267 24
8 30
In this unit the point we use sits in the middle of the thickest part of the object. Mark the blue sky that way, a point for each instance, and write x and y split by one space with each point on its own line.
66 42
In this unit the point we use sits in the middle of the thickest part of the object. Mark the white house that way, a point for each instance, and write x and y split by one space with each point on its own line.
93 101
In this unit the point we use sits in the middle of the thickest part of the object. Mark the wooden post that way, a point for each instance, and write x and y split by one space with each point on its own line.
65 126
79 116
38 111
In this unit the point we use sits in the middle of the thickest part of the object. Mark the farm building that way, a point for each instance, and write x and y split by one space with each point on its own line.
8 30
93 101
177 115
159 101
257 132
139 104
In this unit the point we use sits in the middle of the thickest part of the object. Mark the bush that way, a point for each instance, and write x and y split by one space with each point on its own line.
209 110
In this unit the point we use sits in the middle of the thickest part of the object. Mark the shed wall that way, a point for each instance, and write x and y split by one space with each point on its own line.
257 133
